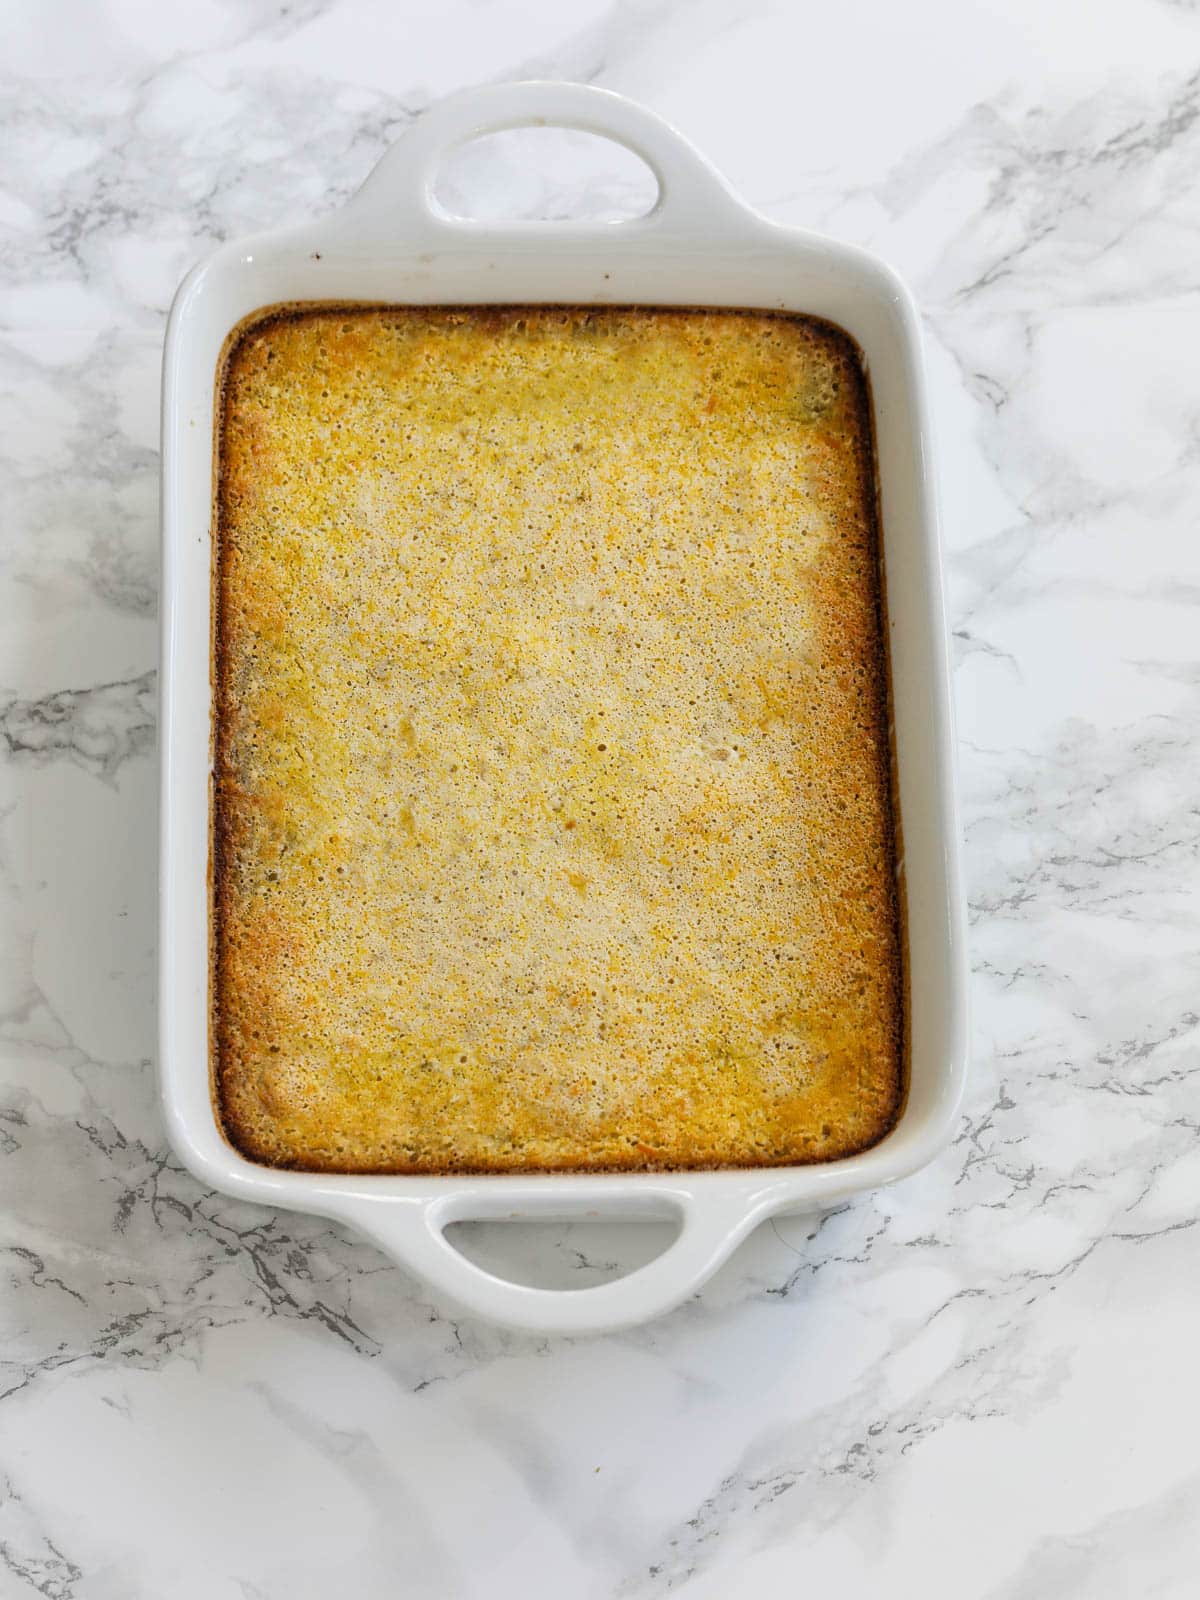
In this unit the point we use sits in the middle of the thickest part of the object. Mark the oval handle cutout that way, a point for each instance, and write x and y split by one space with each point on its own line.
562 1255
544 174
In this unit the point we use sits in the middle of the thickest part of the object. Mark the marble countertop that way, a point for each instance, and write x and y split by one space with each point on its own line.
982 1383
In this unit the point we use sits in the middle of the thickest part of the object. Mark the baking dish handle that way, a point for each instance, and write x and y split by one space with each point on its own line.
397 199
412 1232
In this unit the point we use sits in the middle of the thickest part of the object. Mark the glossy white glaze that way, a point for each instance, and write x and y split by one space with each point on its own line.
977 1382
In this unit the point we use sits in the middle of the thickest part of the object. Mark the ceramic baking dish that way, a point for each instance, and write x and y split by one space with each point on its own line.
698 246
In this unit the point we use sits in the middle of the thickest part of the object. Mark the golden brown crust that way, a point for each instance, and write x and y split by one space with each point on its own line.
552 817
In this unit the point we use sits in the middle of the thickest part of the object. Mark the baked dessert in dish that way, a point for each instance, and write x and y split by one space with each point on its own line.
552 816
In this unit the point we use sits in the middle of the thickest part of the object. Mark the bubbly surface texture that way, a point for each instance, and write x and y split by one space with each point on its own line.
552 806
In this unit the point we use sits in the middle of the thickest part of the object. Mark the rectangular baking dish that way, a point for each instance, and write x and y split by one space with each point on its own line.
698 246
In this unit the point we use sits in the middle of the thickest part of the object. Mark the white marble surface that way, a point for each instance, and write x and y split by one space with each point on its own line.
980 1384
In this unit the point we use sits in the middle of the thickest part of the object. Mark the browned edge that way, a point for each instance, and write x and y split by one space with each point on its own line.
873 494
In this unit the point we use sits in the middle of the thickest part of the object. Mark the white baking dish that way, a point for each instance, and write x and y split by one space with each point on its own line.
698 246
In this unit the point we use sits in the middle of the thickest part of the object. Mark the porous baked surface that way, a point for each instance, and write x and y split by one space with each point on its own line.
552 816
